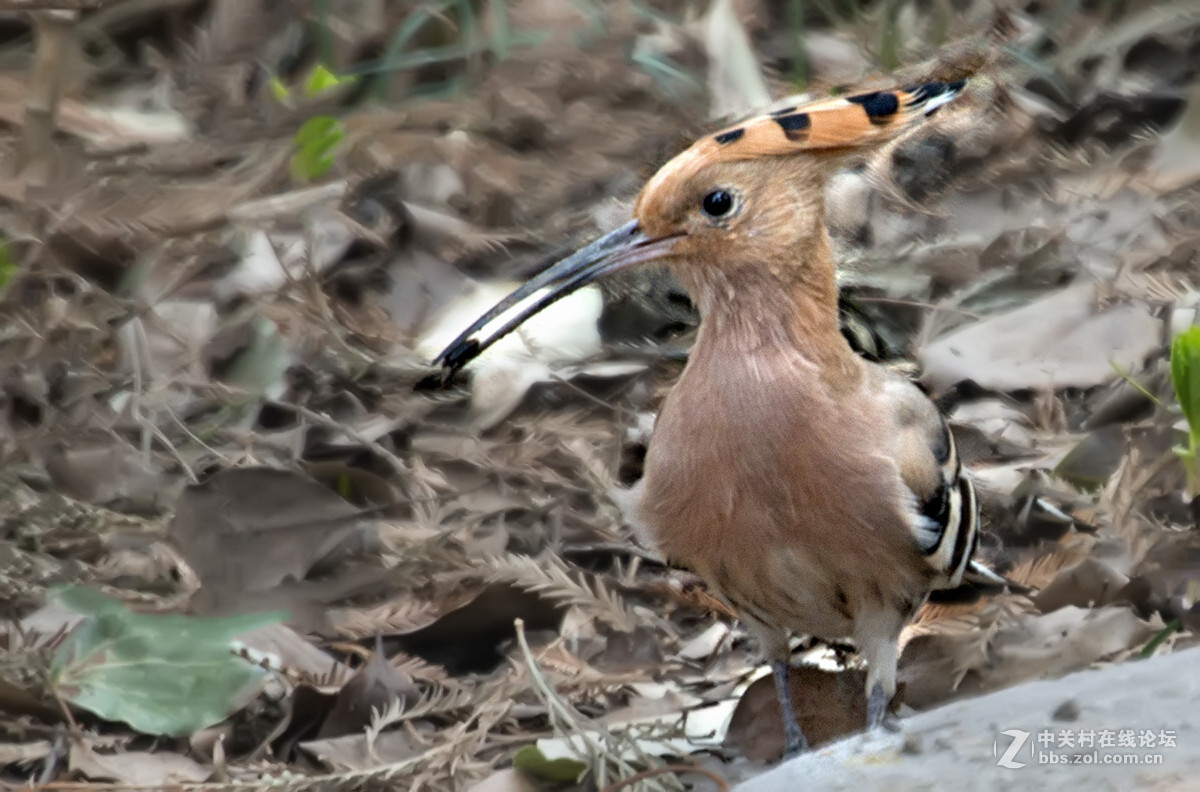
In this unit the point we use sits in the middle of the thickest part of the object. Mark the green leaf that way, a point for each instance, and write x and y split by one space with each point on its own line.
530 760
1185 375
8 267
501 31
278 90
322 79
162 674
404 32
1152 645
316 130
85 601
315 143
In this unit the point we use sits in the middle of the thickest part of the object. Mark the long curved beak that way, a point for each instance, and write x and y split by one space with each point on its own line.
624 247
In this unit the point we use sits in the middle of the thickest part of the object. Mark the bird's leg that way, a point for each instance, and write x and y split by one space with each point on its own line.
794 741
776 648
879 649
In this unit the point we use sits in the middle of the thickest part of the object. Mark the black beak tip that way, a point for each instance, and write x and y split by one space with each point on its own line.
451 361
454 357
437 381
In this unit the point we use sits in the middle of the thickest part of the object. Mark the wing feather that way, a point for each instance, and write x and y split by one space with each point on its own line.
946 527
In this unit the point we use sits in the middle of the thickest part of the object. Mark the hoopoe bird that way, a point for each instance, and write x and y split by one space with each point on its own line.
815 492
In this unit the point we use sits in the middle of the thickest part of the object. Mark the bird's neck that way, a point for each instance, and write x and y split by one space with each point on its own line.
774 306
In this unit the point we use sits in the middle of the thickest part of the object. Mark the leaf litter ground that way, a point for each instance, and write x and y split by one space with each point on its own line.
214 395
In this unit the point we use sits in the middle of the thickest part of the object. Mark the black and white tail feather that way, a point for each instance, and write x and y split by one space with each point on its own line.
947 527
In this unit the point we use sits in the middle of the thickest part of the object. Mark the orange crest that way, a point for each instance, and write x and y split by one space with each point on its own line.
825 125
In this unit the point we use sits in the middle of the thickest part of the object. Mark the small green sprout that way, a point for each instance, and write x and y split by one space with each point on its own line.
1185 377
322 79
531 761
8 267
279 90
316 145
317 139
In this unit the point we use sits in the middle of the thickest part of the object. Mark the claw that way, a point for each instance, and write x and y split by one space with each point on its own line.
878 716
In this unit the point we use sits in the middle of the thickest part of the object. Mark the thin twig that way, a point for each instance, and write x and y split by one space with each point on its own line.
326 422
51 765
600 745
161 436
53 32
193 436
918 304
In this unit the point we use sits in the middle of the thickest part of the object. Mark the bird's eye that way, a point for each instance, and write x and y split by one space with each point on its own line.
717 203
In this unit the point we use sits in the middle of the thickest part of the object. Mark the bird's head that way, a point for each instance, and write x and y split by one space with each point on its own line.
749 196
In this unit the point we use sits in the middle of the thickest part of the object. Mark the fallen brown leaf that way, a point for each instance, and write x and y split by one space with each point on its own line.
827 705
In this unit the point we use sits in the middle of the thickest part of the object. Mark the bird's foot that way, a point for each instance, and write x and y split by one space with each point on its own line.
878 716
890 722
794 747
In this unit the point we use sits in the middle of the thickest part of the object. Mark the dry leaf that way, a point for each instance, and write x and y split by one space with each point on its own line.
1061 341
468 637
735 82
246 531
1090 583
505 781
137 768
373 688
354 752
827 705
